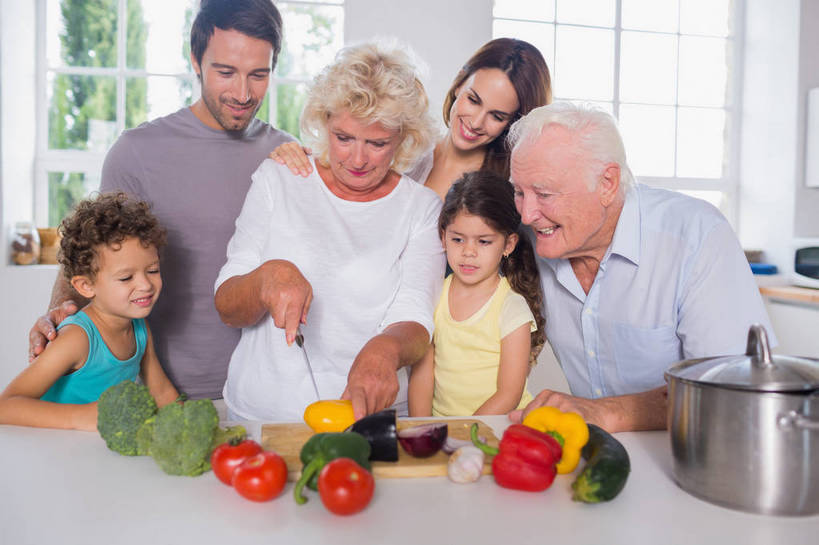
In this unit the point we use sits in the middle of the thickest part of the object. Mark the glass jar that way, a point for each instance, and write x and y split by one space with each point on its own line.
25 244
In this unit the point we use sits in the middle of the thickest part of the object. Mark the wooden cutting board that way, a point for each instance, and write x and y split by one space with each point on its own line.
287 440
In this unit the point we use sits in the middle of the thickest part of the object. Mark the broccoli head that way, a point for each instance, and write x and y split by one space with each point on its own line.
145 437
182 437
121 411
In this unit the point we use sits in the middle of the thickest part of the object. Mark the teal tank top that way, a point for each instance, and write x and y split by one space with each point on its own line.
101 369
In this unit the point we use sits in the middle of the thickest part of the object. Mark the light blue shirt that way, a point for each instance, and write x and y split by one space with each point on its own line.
674 284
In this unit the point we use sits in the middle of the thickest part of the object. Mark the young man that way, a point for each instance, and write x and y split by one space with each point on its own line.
634 278
194 166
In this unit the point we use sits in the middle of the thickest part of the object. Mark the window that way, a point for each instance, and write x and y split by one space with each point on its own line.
109 65
664 68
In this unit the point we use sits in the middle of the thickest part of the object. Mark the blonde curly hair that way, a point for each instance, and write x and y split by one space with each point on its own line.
377 82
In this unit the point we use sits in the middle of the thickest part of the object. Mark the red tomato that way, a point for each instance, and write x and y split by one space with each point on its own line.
261 477
227 457
345 487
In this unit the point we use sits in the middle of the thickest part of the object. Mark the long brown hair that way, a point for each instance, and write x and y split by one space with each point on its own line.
484 194
527 71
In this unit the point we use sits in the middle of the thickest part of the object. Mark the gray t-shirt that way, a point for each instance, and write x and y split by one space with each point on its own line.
196 178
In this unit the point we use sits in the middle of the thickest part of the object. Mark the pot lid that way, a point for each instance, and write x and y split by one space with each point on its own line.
756 370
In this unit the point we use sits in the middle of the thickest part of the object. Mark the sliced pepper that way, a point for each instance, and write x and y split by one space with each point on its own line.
326 447
569 429
525 458
329 415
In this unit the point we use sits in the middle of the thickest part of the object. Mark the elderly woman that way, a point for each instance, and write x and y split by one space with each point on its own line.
350 260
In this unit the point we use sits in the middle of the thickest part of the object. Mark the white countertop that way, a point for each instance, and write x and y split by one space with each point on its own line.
67 487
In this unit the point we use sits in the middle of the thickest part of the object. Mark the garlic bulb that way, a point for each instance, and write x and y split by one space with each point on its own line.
465 465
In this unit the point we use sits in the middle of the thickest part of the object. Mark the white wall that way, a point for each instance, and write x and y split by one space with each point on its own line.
17 110
769 128
444 33
24 292
806 221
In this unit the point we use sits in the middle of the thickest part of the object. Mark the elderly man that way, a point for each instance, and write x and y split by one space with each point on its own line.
635 278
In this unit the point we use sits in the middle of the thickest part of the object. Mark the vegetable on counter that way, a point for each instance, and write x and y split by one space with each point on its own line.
423 441
261 477
329 415
465 464
569 429
606 470
379 430
228 456
323 448
345 487
181 437
121 411
452 444
525 459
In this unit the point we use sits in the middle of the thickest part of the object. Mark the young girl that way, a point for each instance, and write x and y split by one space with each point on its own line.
488 322
110 255
503 80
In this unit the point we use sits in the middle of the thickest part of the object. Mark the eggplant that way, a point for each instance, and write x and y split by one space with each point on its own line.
379 429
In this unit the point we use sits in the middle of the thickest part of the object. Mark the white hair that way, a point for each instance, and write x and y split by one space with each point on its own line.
596 132
378 82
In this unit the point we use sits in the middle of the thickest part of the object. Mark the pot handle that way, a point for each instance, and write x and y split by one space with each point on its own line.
796 420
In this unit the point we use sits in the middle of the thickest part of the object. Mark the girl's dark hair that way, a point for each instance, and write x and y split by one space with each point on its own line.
485 194
107 220
529 75
255 18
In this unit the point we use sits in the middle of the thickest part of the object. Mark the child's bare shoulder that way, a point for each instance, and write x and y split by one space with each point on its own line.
72 340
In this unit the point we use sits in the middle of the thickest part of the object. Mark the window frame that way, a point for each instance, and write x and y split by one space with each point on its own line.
728 184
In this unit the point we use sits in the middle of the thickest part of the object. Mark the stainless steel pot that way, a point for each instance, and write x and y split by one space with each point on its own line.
745 429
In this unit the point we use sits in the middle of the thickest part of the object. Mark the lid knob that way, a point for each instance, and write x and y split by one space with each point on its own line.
758 348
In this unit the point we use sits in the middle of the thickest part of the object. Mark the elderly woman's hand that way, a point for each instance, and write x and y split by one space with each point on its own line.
372 383
286 294
276 287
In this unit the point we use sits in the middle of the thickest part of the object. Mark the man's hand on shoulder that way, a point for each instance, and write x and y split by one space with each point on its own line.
45 328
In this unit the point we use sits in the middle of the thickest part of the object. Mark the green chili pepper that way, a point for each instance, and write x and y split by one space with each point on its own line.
323 448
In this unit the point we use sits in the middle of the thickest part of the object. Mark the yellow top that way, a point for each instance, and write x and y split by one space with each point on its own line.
467 352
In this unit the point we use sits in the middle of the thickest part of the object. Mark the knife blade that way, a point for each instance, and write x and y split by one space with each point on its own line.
300 344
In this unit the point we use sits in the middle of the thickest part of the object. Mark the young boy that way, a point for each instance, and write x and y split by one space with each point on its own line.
110 255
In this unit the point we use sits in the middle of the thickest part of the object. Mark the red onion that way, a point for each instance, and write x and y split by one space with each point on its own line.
424 440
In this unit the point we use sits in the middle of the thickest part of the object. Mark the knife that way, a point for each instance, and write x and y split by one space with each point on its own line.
300 344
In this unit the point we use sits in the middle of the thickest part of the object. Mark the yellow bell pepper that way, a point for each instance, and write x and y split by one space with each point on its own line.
569 429
329 415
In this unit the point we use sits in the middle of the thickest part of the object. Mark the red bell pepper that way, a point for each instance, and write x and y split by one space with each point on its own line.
526 458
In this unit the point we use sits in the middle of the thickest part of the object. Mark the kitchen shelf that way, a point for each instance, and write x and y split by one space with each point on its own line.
791 293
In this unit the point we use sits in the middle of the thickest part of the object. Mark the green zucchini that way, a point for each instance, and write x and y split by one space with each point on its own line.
606 471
